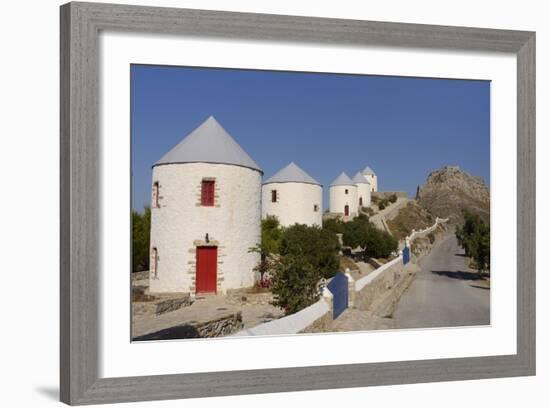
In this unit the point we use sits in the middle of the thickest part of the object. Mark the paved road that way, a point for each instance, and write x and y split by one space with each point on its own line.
444 293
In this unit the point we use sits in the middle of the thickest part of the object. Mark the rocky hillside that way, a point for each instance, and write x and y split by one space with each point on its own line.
450 190
412 216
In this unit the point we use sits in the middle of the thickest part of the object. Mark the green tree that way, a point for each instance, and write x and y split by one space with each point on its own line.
319 247
268 246
141 232
271 235
355 232
361 233
307 254
379 244
333 225
474 237
295 283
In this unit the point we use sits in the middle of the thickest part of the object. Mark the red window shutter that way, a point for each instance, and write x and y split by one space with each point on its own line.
207 193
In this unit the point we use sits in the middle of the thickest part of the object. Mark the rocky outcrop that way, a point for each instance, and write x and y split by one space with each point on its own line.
450 190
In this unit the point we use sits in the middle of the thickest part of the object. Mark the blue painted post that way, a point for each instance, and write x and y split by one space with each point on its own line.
338 286
406 255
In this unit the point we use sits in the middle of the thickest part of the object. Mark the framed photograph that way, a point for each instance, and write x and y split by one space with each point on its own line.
262 203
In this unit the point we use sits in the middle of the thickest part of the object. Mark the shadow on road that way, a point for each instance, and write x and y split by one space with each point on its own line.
480 287
185 331
473 276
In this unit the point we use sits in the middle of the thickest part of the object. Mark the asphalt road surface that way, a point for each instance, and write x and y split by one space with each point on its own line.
445 293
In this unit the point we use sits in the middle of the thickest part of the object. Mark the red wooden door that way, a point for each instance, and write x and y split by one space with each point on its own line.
346 210
207 269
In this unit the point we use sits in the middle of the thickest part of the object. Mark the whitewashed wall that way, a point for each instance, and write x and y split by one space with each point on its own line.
373 181
363 190
181 223
295 203
422 233
339 198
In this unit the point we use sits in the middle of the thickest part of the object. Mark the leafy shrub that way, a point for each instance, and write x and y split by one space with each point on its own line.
265 267
266 282
475 237
382 204
269 245
333 225
271 235
392 198
431 237
295 283
141 233
347 263
361 233
355 232
379 244
319 247
368 210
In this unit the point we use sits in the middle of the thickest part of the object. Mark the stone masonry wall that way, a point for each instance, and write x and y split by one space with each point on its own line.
221 327
366 296
319 325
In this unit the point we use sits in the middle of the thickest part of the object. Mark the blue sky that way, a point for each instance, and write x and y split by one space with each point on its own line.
402 128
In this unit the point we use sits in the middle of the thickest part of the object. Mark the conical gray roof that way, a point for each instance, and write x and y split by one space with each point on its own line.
342 180
292 173
209 143
368 171
359 178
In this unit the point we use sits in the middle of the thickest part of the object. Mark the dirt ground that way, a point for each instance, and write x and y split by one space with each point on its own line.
254 306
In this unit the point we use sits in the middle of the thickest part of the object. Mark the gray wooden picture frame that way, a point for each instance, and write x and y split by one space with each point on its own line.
80 192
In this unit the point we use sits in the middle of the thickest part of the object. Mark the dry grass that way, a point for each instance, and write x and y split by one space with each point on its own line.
410 217
346 262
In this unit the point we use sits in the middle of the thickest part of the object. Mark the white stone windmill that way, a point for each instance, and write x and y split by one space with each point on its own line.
293 196
343 197
371 177
363 190
205 214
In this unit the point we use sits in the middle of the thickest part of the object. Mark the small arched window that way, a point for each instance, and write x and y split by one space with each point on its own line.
156 203
346 191
273 196
154 262
360 201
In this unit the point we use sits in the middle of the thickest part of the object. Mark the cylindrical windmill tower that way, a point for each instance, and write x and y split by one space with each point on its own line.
343 197
294 197
205 215
363 190
372 178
